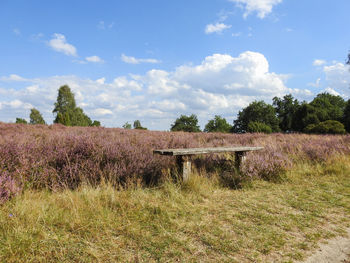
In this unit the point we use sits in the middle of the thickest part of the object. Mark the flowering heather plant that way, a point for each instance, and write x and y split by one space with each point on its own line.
55 156
269 164
8 187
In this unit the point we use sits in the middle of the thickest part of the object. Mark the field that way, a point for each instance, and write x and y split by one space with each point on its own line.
100 195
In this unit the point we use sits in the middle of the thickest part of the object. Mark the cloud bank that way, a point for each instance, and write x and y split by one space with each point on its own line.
221 84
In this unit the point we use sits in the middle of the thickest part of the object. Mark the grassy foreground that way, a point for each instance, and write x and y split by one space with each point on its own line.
197 222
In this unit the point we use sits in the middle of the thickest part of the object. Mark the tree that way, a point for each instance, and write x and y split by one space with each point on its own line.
79 118
218 124
138 126
186 123
257 111
67 113
286 109
323 107
20 120
127 126
305 115
329 107
96 123
65 101
36 117
346 117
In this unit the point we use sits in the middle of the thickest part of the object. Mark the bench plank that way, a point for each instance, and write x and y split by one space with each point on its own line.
193 151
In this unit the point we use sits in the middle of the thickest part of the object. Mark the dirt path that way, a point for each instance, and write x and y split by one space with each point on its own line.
337 250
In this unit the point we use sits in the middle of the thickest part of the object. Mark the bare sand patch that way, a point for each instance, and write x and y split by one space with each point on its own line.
336 250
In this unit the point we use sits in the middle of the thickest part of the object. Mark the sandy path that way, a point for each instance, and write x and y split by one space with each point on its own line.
337 250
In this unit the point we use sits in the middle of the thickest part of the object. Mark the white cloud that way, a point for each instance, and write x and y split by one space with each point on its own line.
246 74
133 60
59 44
122 82
236 34
221 84
316 84
101 81
319 62
338 78
331 91
217 28
102 112
261 7
94 59
12 77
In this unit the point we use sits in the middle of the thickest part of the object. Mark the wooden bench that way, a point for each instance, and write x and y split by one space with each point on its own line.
184 162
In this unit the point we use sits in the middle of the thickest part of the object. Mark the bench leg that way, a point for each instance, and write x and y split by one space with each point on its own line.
239 159
184 167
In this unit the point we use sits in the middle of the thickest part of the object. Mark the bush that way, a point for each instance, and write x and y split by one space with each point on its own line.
269 165
330 126
20 120
255 126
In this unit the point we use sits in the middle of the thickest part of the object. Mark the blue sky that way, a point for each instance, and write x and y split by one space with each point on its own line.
154 60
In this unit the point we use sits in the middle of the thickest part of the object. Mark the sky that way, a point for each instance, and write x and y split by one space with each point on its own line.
154 60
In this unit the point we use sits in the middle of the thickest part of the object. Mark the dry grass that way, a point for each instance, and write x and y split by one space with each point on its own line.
197 222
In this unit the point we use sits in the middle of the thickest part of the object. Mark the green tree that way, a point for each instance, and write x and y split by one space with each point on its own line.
257 111
67 113
329 107
323 107
20 120
127 126
36 117
186 123
79 118
286 109
305 115
346 117
255 126
218 124
65 101
138 126
96 123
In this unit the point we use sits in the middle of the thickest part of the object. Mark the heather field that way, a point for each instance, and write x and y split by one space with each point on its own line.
58 157
72 194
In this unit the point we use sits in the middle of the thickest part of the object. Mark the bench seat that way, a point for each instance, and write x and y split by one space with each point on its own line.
184 162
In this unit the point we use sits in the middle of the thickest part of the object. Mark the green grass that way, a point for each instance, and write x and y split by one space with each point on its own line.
196 222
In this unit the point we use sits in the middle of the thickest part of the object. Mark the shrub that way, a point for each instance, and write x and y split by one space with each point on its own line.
326 127
268 165
255 126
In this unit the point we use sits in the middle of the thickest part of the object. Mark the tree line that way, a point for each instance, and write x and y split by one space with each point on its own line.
66 111
326 113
